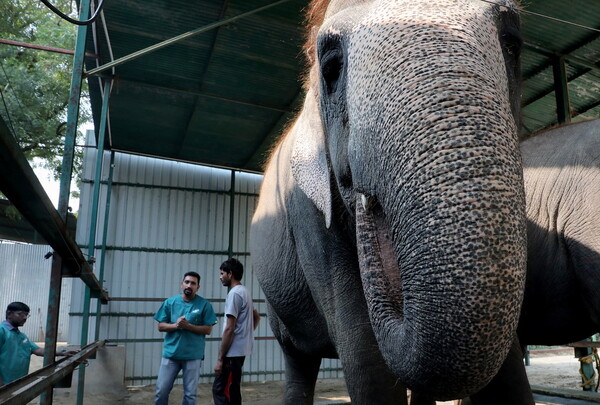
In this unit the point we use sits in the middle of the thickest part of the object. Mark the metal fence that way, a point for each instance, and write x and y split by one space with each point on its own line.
166 218
25 277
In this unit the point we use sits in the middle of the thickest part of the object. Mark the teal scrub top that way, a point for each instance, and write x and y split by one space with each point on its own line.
184 344
15 353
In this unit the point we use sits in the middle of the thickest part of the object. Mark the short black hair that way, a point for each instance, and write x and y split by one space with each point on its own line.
233 266
193 274
16 306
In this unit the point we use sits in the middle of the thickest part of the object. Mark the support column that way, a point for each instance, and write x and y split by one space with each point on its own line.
561 90
104 236
85 324
231 213
64 193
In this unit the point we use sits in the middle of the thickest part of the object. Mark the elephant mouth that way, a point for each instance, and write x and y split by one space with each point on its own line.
380 272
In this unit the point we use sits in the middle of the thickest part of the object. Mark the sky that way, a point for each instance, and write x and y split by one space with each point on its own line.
52 187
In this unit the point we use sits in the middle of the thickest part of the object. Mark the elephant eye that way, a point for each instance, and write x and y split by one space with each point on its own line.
331 62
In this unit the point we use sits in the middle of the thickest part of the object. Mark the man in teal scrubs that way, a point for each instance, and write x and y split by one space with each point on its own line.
15 347
187 319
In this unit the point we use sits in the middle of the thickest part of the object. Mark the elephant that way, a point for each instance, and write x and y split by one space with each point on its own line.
561 303
390 228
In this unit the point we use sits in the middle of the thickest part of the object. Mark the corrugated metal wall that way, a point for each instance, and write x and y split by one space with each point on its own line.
167 218
25 277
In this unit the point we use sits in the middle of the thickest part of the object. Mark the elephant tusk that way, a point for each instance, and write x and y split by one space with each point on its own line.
368 202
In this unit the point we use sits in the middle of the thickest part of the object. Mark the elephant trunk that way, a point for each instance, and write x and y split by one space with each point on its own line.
444 280
441 241
444 315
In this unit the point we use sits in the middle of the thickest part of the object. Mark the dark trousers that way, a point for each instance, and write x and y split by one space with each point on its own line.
226 388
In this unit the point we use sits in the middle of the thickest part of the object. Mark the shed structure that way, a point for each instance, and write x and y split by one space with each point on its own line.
214 82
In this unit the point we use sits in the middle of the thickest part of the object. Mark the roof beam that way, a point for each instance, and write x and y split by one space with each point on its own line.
586 108
19 183
43 48
568 57
550 88
552 55
178 38
566 54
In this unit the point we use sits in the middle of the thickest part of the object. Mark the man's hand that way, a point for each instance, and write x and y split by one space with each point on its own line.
219 367
68 353
182 323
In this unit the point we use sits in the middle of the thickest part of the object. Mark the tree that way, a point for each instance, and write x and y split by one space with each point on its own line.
34 84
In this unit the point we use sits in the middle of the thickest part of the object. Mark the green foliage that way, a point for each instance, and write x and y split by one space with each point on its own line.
34 84
13 213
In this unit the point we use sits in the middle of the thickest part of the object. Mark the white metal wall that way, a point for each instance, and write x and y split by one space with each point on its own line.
25 277
167 218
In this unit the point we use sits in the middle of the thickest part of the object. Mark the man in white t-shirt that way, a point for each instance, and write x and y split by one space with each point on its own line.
238 335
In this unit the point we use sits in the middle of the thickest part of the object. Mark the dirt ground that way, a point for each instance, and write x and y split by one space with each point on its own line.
557 369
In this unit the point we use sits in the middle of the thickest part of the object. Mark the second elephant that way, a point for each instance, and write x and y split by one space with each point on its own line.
562 183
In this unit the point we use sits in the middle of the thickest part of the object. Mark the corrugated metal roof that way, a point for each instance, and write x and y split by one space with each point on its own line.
559 28
214 98
222 97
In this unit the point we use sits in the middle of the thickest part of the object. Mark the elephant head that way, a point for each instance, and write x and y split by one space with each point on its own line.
410 122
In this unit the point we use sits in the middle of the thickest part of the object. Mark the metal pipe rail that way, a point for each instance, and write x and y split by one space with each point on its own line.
22 187
31 386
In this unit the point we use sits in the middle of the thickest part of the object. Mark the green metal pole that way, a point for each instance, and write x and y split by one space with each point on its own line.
92 237
104 237
52 320
231 213
64 192
98 175
73 112
561 90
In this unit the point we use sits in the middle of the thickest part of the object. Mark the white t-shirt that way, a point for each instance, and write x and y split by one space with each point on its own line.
239 305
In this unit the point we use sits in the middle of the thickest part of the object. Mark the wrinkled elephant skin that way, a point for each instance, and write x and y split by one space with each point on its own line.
562 177
390 229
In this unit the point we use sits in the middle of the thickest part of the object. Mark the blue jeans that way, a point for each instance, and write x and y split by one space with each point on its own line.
166 377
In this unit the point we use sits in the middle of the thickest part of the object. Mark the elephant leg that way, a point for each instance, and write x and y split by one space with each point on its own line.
301 368
368 378
510 385
301 372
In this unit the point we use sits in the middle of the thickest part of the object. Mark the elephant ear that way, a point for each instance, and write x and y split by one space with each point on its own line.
309 159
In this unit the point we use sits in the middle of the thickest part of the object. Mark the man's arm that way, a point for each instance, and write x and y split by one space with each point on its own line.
255 318
167 327
226 342
197 329
40 352
182 323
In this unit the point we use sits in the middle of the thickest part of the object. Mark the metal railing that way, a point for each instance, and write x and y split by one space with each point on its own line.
32 385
